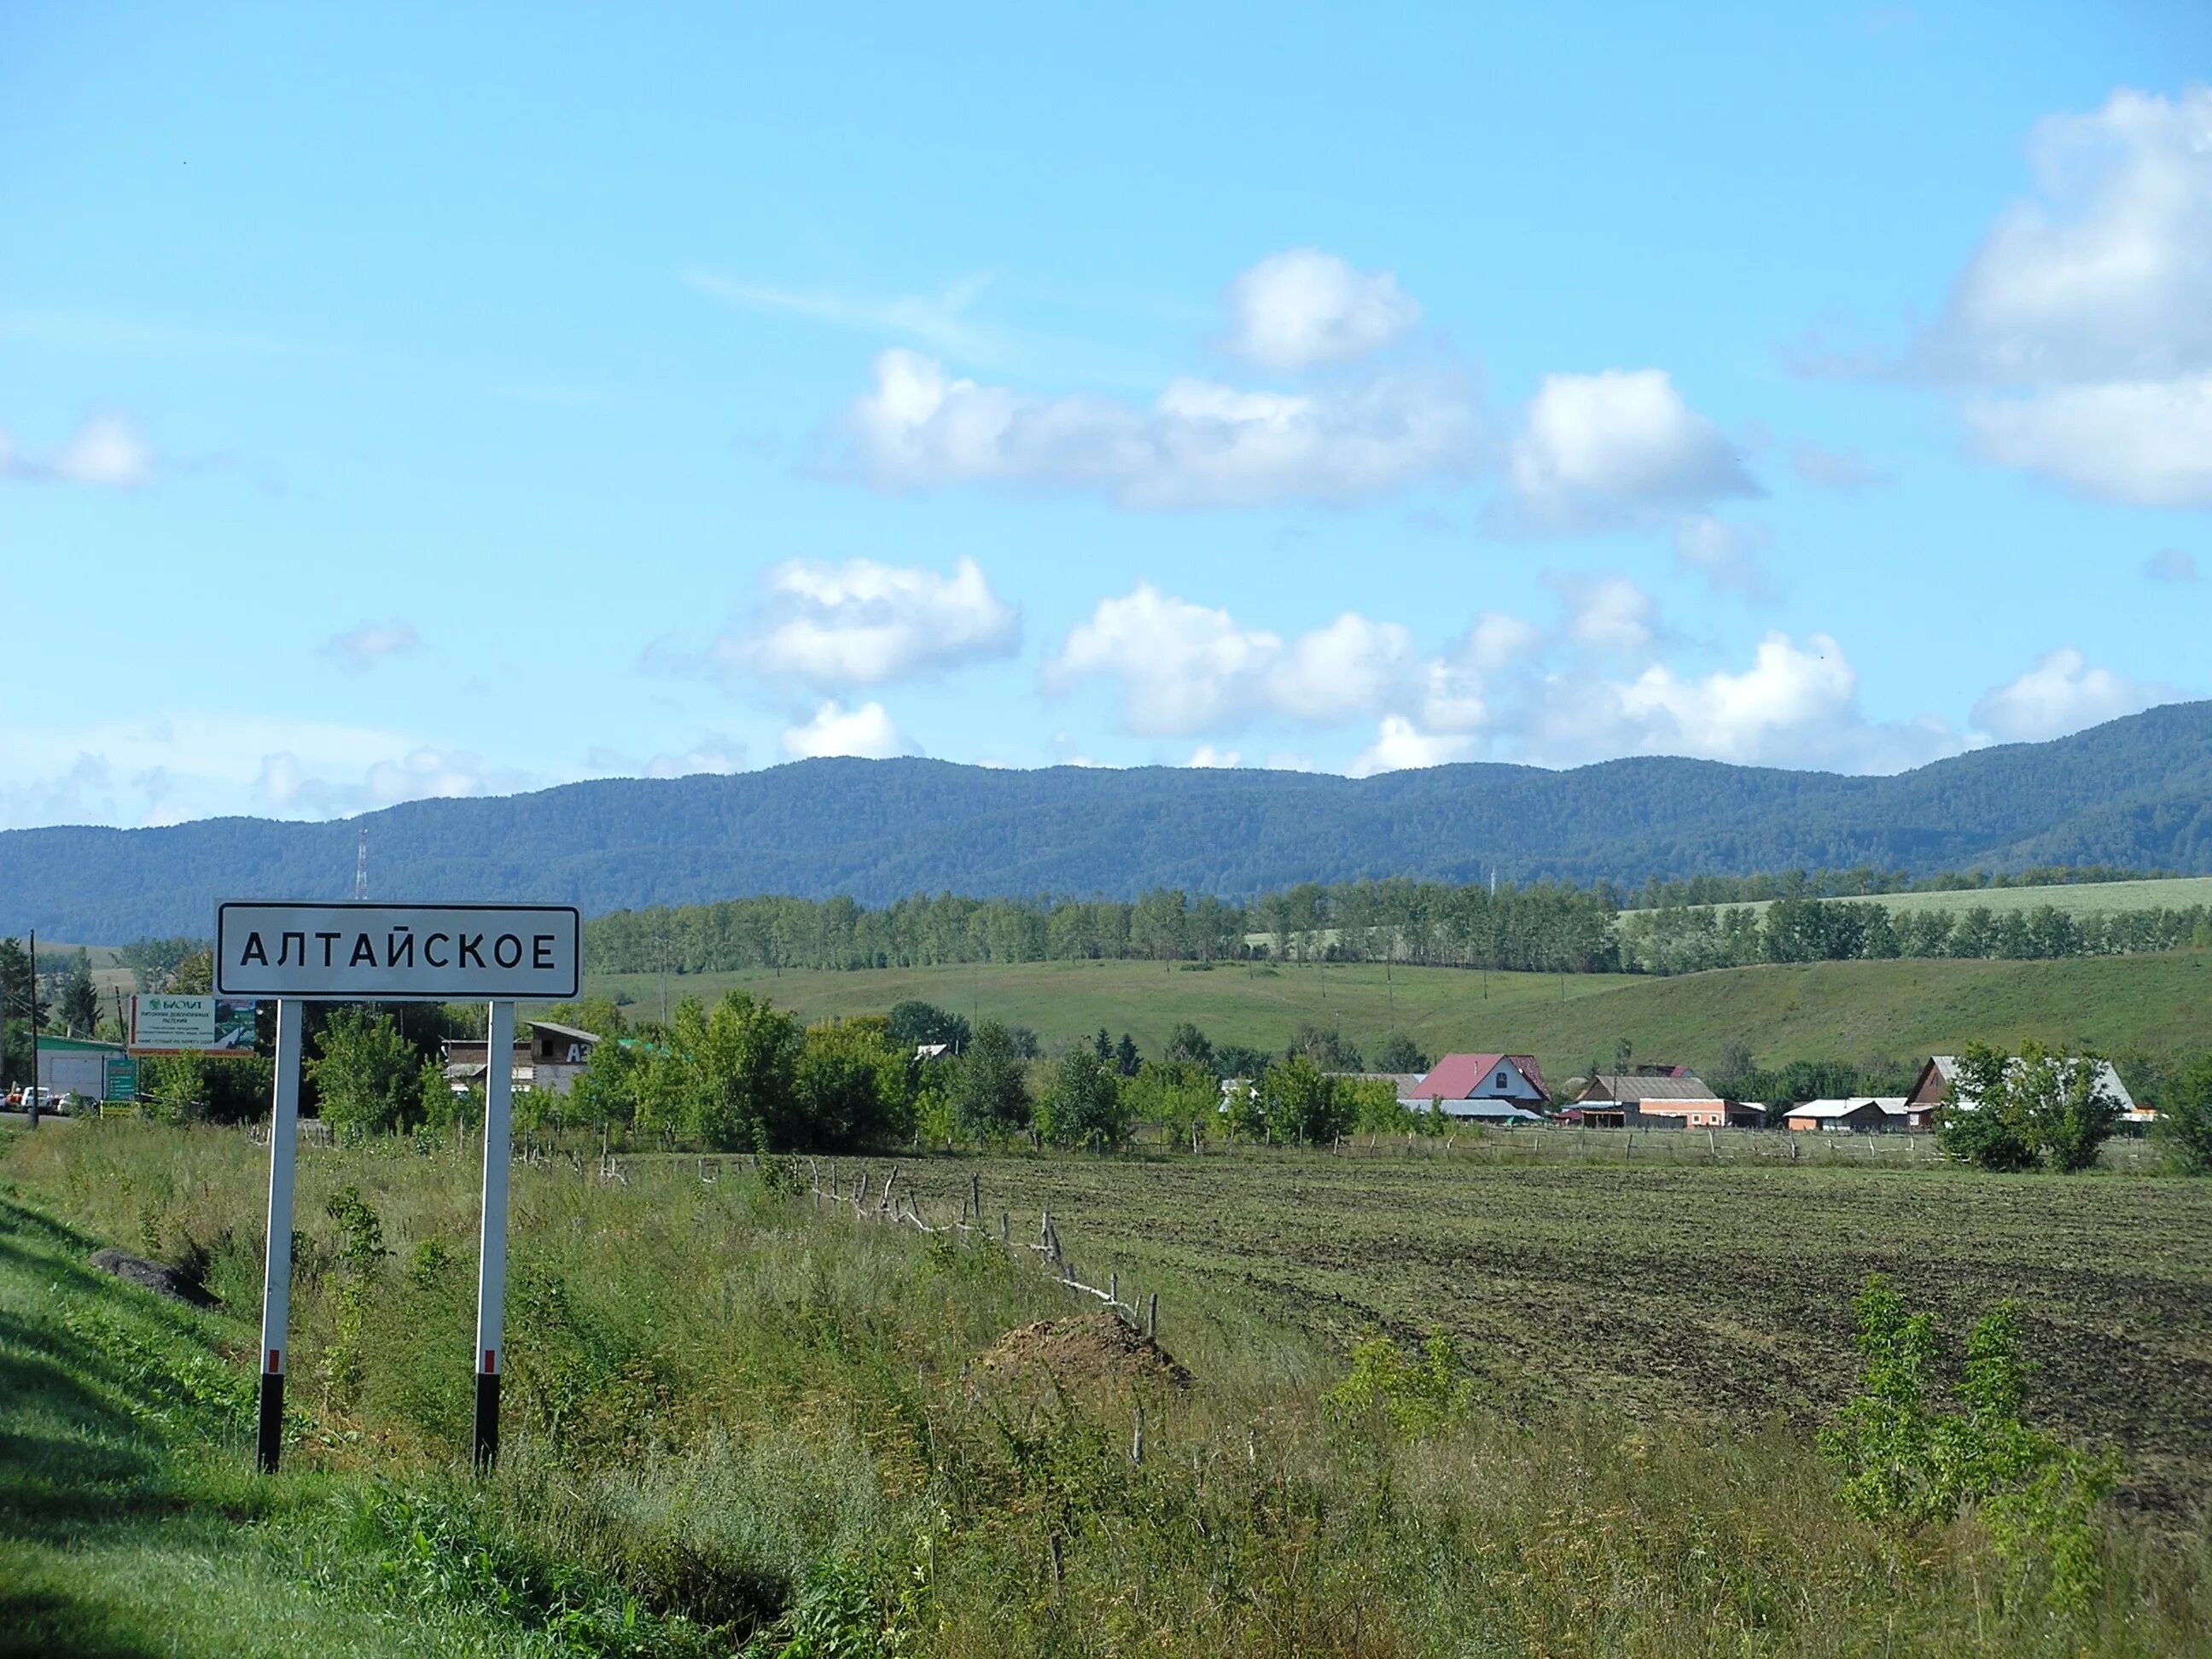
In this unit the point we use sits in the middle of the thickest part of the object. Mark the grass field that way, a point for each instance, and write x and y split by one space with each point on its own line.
728 1408
1845 1010
732 1410
2074 899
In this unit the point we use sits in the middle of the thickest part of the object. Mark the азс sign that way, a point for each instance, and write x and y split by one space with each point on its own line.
399 952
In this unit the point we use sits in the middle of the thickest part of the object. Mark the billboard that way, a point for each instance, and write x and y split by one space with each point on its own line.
172 1024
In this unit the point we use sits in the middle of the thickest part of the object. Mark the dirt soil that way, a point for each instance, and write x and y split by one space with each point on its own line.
157 1277
1089 1348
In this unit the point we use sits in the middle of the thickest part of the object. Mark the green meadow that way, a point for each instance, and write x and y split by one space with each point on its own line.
1900 1009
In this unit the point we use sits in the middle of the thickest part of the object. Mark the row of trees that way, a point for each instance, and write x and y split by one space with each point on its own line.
1864 879
1544 928
746 1075
1541 927
1679 941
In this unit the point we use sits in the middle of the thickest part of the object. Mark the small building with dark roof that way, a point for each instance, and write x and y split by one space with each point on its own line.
1678 1094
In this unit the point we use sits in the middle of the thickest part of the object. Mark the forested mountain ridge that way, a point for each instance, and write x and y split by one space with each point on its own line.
2136 793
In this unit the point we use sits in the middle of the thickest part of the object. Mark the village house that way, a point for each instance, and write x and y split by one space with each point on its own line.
1480 1088
1861 1114
1934 1084
1678 1095
550 1057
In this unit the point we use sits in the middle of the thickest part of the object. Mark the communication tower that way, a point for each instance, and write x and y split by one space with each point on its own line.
361 866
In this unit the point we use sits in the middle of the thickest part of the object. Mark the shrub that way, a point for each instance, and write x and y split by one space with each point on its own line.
367 1076
1909 1463
1416 1399
2184 1124
2005 1111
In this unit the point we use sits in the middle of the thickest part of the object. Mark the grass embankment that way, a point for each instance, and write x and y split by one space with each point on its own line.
728 1405
1833 1010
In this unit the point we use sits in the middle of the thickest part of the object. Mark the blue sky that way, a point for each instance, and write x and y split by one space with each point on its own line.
466 399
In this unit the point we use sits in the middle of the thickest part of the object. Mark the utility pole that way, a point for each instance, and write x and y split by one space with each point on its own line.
33 1095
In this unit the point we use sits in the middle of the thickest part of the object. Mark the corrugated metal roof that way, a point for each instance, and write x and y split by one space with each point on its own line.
1840 1107
1460 1077
1946 1067
1455 1076
1611 1086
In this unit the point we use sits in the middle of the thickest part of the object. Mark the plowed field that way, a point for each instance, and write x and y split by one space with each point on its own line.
1721 1292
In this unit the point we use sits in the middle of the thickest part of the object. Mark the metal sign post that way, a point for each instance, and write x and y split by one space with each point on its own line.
491 1263
277 1267
302 953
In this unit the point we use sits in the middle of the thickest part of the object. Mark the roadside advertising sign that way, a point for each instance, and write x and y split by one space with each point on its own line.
363 952
172 1024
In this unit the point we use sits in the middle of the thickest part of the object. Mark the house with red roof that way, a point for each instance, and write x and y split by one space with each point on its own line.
1503 1086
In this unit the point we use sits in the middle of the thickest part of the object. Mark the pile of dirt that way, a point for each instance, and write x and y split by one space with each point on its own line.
161 1280
1088 1349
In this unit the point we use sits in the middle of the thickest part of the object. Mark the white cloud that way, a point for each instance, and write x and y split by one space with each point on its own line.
1499 639
865 624
1200 444
192 764
1353 665
1183 669
2062 693
1608 613
1795 705
1616 447
2108 276
1788 689
2170 566
1302 307
866 732
2085 319
2143 443
1205 756
370 643
107 452
940 321
715 752
1730 556
1589 688
1400 745
291 787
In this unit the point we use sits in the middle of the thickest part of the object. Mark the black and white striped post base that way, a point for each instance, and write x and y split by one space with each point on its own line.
276 1259
491 1269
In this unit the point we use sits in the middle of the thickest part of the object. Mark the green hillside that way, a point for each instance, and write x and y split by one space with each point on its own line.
1841 1010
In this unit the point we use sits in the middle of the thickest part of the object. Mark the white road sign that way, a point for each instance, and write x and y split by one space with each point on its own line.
399 952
